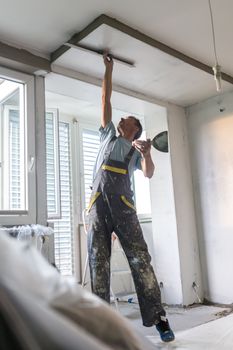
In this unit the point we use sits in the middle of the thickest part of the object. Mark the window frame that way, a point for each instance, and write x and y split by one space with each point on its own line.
146 217
18 217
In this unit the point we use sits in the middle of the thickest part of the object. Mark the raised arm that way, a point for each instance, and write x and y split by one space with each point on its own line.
107 92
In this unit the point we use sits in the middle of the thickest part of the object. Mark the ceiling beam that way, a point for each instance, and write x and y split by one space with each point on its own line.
78 37
124 28
23 56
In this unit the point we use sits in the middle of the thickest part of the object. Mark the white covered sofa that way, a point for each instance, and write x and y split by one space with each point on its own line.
40 309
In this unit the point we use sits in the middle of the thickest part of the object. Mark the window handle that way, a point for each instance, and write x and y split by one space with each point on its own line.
31 164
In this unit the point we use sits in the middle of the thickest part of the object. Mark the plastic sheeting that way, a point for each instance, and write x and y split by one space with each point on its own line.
33 283
35 234
215 335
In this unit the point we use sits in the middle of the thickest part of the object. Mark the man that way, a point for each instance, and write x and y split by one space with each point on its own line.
111 210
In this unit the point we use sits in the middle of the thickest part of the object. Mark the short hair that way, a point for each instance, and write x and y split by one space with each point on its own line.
139 126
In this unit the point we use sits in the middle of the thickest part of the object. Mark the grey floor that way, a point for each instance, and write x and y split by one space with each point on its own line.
197 327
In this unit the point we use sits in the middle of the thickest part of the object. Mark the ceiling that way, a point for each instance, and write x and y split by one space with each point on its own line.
83 101
184 25
154 73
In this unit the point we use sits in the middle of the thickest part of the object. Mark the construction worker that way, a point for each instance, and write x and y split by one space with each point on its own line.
111 209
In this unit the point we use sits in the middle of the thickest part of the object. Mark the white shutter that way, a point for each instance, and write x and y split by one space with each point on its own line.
52 165
14 160
90 139
63 228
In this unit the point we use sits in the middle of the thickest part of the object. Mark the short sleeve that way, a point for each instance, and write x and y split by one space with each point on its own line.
108 132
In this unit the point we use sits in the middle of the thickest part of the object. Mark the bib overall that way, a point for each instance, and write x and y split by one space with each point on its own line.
111 209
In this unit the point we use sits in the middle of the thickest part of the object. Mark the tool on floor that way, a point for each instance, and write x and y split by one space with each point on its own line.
195 288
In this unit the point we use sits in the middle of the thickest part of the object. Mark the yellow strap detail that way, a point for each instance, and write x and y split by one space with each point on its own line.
92 201
127 202
114 169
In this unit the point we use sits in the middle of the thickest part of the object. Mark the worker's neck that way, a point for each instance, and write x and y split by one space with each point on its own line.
128 136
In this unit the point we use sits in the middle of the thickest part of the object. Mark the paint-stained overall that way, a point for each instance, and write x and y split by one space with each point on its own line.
112 210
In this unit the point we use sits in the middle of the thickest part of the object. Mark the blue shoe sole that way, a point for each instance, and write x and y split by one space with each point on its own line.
166 336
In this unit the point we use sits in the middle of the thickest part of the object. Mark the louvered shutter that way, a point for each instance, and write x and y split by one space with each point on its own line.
63 227
14 160
52 165
90 139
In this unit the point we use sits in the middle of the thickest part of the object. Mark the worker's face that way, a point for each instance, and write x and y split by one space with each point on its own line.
127 125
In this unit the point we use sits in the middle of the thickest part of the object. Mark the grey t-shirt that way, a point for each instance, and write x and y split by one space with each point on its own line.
120 149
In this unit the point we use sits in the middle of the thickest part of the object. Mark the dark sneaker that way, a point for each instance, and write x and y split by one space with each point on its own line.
164 330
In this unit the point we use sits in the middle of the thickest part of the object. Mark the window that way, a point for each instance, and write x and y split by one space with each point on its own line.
13 147
142 192
63 226
17 148
142 195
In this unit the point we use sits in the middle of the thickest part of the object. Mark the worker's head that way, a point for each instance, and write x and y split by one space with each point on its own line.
130 127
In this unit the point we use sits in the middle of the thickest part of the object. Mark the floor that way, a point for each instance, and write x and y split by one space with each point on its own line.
196 328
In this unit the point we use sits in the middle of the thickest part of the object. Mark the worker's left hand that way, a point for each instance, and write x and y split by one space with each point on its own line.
143 147
108 61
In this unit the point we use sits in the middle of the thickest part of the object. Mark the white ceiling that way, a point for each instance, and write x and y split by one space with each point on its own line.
83 101
184 25
155 73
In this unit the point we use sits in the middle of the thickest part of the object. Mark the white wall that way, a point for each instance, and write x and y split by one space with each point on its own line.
184 205
166 252
211 142
174 229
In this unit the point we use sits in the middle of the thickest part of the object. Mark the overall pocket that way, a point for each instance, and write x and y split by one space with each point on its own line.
92 201
126 202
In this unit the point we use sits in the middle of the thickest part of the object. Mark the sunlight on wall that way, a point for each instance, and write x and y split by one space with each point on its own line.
142 190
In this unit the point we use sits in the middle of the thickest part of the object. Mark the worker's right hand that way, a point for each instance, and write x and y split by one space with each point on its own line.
108 61
142 146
